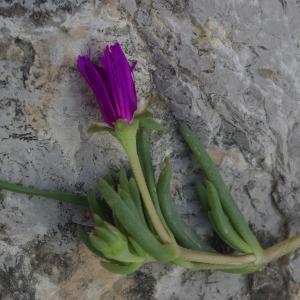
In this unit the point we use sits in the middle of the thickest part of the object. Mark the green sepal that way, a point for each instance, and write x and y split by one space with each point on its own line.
123 130
94 128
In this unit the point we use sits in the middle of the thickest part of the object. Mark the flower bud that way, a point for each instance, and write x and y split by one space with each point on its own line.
113 244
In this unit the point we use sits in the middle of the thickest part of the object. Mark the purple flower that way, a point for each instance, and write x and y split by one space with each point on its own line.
112 83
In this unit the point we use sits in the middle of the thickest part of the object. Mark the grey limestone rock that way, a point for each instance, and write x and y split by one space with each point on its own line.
229 69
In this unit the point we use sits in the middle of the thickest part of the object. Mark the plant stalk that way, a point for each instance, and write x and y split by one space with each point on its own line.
216 259
283 248
220 261
127 137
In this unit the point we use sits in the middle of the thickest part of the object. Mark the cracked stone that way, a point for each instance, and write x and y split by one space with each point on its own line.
228 69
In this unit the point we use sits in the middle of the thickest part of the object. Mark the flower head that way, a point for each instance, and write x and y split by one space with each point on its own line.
112 83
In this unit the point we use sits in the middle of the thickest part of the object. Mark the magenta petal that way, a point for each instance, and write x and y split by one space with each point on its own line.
112 83
92 74
120 73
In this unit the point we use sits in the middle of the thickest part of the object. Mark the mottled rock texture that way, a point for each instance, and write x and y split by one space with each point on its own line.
230 69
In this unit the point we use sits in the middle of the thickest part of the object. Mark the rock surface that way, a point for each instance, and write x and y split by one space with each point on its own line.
228 69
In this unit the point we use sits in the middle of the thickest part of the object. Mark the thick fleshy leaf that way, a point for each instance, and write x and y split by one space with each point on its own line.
184 235
135 227
99 128
228 204
60 196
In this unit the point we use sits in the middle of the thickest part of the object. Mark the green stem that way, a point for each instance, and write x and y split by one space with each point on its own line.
222 267
283 248
126 134
215 258
220 261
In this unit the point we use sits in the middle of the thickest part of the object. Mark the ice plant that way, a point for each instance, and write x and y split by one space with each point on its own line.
136 220
112 82
111 79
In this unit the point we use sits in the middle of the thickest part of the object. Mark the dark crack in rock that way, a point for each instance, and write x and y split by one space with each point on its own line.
13 10
29 54
143 287
269 284
15 282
